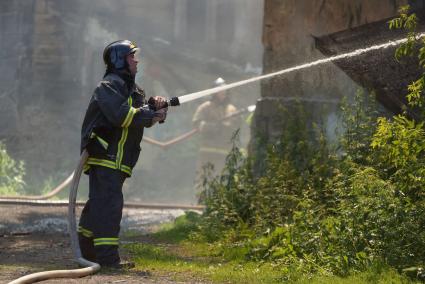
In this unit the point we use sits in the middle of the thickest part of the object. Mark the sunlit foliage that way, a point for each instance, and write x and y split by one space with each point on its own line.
323 209
11 173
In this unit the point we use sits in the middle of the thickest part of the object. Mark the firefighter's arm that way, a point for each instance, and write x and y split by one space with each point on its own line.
197 117
116 107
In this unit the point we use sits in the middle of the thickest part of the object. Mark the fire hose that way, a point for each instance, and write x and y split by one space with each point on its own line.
52 193
88 266
188 134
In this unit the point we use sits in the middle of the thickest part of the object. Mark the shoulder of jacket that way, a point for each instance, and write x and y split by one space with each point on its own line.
113 79
205 105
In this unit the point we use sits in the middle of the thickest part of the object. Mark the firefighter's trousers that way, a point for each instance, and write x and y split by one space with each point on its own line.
99 225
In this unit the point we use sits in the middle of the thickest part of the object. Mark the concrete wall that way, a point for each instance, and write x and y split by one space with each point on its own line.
40 64
288 38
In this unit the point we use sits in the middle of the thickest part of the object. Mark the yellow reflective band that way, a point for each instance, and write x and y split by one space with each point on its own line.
130 103
126 169
102 142
129 118
85 232
86 167
121 143
101 162
107 164
106 244
105 241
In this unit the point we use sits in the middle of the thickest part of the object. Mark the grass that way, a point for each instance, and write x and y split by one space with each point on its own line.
387 275
174 253
197 262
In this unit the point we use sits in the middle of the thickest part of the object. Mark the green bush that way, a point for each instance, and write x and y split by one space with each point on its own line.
334 212
11 174
317 208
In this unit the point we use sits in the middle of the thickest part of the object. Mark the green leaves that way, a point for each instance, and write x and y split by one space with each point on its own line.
405 21
414 97
317 208
401 140
408 23
11 174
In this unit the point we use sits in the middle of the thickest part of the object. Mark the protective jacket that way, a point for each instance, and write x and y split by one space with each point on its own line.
113 125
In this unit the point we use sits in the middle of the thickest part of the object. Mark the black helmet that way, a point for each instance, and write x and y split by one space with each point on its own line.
115 53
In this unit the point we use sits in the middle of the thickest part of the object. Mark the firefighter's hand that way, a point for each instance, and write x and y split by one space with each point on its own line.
159 102
160 115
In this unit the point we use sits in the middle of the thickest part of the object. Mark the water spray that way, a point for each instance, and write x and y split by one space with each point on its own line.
175 101
196 95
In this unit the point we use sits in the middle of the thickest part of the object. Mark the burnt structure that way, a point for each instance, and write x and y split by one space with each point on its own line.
378 70
289 31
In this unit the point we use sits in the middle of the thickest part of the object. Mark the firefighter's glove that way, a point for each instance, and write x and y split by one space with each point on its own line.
159 102
160 115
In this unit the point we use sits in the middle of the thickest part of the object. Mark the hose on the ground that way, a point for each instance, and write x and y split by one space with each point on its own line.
55 191
88 266
194 130
171 141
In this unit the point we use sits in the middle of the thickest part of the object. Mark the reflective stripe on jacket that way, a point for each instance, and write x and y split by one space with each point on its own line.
113 125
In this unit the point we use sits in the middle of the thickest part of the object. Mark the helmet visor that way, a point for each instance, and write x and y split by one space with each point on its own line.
136 54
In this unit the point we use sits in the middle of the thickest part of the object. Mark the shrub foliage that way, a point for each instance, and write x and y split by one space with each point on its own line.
11 173
322 208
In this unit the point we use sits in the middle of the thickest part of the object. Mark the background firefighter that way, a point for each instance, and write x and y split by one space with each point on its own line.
215 133
112 131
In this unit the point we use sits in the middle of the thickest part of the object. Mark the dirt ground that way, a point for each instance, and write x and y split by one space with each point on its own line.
24 254
25 248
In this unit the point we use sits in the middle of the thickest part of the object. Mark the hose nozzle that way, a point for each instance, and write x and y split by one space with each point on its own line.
174 101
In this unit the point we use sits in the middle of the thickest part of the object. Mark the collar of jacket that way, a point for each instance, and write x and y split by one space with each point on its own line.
125 75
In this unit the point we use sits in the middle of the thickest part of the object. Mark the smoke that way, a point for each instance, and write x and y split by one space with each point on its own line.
60 64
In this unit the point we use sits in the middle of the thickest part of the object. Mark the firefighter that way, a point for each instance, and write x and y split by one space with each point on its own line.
216 133
112 131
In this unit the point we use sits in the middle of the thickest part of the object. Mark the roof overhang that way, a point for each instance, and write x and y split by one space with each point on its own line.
377 70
